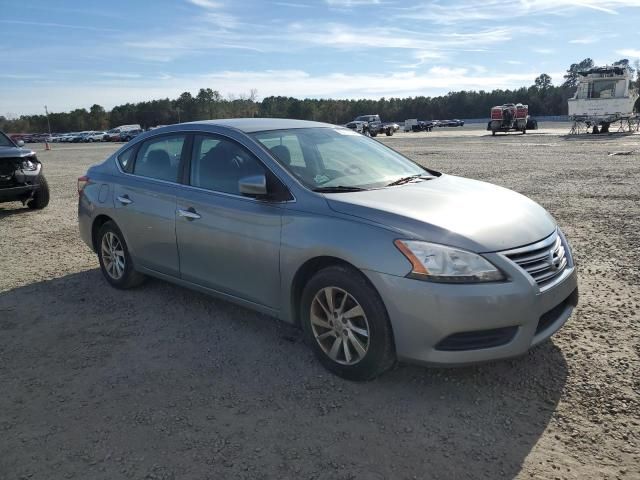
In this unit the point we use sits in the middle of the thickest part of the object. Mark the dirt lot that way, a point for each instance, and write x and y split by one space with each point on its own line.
164 383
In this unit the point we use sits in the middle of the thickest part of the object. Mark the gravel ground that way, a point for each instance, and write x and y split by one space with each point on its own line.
164 383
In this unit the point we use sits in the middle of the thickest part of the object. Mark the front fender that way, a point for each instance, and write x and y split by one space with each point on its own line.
306 236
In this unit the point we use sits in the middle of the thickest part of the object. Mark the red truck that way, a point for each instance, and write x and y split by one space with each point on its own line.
510 116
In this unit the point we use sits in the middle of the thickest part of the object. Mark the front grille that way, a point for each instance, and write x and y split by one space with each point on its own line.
477 339
544 261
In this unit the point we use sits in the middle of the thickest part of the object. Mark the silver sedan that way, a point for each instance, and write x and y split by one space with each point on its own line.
375 257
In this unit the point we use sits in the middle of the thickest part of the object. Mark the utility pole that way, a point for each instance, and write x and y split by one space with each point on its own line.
48 124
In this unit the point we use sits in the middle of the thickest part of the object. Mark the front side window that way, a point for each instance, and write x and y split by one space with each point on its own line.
159 158
337 157
218 164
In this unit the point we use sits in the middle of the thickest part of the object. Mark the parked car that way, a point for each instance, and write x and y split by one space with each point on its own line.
129 135
94 137
79 137
114 135
371 126
21 176
374 256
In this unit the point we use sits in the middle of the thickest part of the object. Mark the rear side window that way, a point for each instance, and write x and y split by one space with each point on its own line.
125 159
159 158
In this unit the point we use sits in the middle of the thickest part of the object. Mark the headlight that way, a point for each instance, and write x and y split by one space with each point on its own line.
439 263
27 164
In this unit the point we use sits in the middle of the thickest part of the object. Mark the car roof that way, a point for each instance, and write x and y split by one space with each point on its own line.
251 125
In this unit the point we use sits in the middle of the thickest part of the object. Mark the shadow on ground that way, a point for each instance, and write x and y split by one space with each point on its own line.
10 209
162 382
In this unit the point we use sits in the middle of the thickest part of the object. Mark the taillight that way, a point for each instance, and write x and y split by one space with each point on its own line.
82 182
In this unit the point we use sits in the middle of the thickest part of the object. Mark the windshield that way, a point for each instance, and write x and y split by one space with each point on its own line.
337 157
5 141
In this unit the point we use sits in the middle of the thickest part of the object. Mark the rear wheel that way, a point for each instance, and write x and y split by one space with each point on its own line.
389 132
41 196
346 324
115 261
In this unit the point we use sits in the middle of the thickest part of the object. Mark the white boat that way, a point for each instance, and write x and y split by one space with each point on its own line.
603 96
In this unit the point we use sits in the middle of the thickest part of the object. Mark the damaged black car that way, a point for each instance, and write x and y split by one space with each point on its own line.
21 177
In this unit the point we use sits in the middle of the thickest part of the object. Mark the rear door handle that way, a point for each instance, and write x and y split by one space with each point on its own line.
124 199
189 214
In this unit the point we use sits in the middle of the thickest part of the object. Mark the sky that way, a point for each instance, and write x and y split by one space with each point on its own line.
71 54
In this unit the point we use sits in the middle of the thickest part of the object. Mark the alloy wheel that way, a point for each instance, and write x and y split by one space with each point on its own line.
340 325
113 256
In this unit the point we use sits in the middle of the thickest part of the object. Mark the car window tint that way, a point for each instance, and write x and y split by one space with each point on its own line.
218 164
292 155
335 158
159 158
126 159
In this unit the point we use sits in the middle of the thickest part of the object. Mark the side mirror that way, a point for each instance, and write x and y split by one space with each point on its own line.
253 186
20 143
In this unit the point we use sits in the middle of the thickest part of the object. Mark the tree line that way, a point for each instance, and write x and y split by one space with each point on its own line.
542 97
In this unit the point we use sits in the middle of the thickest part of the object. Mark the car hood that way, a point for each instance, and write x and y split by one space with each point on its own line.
13 152
451 210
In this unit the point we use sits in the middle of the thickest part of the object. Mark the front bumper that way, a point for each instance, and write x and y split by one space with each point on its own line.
16 193
426 316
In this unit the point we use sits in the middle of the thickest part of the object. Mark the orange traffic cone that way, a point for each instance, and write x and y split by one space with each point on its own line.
46 146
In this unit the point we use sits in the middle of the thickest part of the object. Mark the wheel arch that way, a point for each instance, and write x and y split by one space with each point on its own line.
307 270
97 224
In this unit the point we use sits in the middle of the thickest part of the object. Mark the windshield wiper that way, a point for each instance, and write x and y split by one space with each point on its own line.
338 188
403 180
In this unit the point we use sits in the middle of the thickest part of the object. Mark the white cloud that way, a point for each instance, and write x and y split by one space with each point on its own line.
629 52
473 10
210 4
58 25
544 51
351 3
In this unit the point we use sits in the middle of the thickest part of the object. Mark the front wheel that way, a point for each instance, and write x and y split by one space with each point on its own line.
115 261
41 196
346 324
389 133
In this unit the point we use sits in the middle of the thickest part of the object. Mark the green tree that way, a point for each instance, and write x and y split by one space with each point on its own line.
98 118
571 78
542 82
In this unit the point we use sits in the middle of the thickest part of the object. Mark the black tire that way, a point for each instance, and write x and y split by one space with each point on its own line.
380 351
373 134
389 132
41 196
130 277
493 132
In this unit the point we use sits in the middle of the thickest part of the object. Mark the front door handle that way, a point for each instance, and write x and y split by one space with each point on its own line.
189 214
124 199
